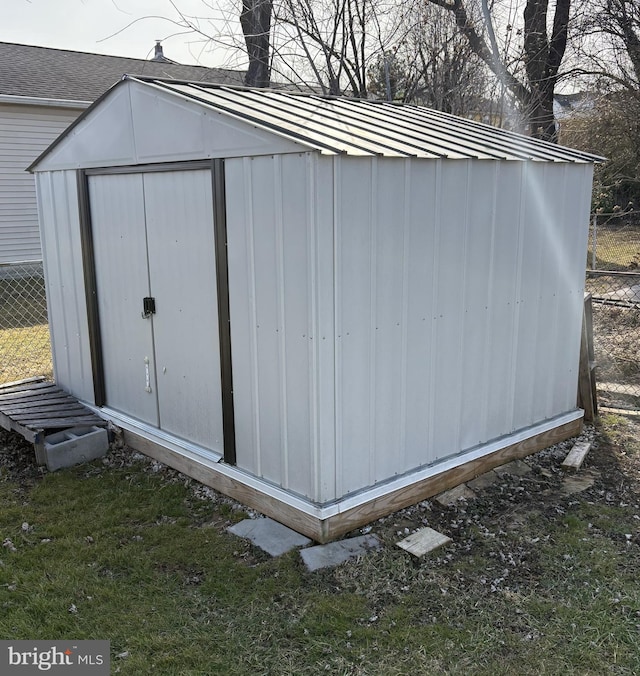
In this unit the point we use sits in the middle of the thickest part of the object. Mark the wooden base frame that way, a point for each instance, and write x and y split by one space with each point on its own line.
326 523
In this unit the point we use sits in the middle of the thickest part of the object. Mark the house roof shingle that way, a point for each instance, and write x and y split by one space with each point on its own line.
43 72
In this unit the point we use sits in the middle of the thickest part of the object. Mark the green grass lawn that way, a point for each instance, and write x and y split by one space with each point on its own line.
534 583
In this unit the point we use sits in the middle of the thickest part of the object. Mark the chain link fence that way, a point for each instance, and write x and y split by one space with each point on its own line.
25 348
614 242
613 279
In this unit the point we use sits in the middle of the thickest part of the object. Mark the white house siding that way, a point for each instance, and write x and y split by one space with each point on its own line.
25 131
62 253
280 248
437 350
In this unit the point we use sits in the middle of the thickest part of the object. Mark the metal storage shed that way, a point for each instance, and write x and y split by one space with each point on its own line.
326 308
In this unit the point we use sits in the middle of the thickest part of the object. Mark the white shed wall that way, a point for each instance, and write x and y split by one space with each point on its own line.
458 306
280 247
25 131
373 334
62 255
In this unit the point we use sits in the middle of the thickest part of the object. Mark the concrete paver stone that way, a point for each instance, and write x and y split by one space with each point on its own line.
515 468
335 553
269 535
483 481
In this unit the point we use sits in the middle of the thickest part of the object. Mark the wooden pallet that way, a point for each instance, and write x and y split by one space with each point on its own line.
35 407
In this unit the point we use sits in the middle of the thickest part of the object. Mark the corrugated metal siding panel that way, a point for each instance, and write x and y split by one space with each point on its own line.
278 258
322 256
550 295
572 247
477 260
506 255
448 328
422 212
458 316
62 254
354 316
24 133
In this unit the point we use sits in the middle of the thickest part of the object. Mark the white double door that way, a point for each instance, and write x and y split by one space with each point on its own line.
153 238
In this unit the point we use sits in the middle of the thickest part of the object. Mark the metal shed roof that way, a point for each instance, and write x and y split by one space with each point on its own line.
362 127
342 126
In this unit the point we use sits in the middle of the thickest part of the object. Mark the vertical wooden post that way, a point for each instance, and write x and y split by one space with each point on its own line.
587 396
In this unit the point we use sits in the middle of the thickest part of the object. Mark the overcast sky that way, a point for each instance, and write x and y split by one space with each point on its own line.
85 25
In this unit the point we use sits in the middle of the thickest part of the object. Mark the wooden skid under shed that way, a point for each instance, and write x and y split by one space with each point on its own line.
332 527
35 407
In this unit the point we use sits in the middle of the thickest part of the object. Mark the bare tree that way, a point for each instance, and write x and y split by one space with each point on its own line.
531 77
610 124
619 20
433 65
255 20
611 43
330 44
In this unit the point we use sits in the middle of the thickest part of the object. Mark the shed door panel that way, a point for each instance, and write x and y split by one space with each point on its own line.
153 235
122 278
180 235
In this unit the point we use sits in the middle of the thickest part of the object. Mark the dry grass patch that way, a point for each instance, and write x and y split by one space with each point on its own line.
617 248
25 352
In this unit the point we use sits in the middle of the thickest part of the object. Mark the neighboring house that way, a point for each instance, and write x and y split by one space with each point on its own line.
565 105
42 91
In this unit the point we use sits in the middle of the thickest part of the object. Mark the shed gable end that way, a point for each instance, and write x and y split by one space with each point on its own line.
134 124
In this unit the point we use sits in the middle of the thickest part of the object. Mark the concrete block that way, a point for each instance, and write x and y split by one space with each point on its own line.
269 535
335 553
73 446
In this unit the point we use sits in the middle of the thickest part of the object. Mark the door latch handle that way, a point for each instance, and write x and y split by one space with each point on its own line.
148 307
